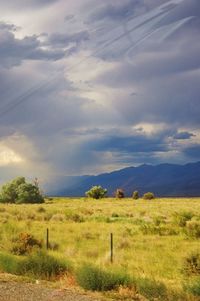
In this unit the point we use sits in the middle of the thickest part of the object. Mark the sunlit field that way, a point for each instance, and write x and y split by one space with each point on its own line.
151 238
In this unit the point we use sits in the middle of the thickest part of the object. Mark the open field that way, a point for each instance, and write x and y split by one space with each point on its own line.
151 237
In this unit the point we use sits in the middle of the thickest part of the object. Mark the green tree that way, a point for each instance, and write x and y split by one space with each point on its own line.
149 196
18 191
136 195
96 192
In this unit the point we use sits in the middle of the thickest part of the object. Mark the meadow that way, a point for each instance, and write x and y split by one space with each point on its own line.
155 242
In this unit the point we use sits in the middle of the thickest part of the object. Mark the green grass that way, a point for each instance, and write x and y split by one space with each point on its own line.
94 278
152 238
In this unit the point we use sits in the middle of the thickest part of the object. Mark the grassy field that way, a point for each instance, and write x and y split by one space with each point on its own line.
151 238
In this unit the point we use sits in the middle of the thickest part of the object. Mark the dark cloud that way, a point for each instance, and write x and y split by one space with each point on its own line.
131 144
126 99
8 26
183 136
13 50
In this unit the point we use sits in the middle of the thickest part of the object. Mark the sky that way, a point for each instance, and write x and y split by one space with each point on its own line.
93 86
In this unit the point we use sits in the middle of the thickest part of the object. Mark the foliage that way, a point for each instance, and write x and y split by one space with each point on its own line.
135 195
149 196
24 244
19 191
93 278
43 266
191 264
119 194
96 192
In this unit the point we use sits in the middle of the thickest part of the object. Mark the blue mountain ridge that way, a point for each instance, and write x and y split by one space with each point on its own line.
164 180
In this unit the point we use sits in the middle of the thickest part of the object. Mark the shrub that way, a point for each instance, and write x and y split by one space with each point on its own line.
24 244
193 229
193 287
119 193
93 278
96 192
191 264
149 196
42 265
135 195
181 218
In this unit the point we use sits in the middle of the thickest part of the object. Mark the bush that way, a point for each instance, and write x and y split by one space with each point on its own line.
149 196
193 287
25 243
42 265
96 192
135 195
119 194
93 278
193 229
191 264
18 191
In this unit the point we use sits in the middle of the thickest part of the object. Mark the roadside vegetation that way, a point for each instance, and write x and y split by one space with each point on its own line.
156 250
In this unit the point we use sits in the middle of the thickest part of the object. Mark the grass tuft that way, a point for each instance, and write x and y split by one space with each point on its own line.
93 278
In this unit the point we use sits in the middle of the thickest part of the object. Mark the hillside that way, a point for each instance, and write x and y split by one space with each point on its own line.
163 180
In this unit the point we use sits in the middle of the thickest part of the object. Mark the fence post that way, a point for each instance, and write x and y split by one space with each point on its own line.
111 247
47 239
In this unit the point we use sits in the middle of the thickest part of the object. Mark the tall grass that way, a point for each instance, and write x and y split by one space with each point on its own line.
37 265
151 238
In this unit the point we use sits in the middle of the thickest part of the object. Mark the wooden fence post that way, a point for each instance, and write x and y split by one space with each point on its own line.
111 247
47 239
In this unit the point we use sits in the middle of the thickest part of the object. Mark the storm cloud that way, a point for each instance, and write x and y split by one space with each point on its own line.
111 85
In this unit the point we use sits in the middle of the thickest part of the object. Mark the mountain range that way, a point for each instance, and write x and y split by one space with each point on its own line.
163 180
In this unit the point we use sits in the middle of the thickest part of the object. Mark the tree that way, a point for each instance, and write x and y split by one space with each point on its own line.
96 192
136 195
149 196
119 193
19 191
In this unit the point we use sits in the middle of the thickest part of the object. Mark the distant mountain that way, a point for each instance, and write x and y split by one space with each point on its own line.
163 180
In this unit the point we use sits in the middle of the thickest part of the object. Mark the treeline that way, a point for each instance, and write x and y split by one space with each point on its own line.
98 192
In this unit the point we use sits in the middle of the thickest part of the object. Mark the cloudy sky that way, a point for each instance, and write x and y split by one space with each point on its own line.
90 86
